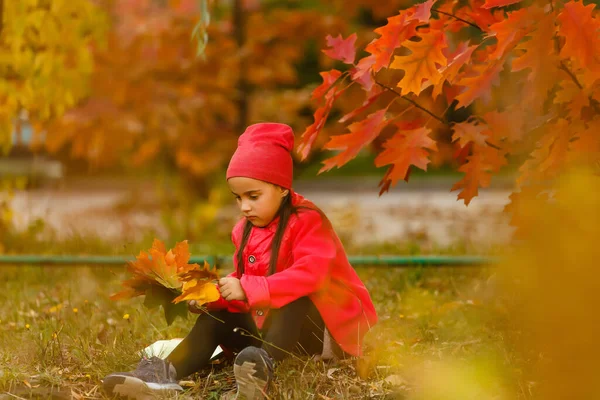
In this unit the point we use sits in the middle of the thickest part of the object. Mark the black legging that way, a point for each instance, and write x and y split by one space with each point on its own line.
295 328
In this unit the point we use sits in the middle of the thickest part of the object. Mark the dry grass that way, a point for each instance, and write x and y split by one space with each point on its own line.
60 334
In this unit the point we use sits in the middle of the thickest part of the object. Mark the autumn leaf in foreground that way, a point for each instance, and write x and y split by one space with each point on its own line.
165 278
197 285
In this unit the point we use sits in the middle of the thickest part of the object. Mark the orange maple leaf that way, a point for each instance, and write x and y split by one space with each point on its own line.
423 63
405 148
341 49
361 134
156 267
580 31
198 285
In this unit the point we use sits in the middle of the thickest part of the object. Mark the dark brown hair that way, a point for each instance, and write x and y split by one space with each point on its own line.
286 209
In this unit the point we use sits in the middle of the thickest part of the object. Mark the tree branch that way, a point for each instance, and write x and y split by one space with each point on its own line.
457 18
593 102
571 74
420 107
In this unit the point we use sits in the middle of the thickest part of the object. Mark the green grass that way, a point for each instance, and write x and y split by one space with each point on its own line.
59 332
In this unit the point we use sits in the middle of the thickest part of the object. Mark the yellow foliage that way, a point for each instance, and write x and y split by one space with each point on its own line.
46 58
552 277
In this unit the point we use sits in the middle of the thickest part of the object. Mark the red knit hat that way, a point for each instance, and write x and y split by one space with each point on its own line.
264 153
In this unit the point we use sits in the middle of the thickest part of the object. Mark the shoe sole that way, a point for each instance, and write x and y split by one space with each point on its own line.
133 388
249 386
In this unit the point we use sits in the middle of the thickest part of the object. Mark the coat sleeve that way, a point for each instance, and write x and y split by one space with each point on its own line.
313 252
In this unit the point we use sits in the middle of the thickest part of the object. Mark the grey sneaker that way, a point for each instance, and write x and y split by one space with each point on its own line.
153 376
253 370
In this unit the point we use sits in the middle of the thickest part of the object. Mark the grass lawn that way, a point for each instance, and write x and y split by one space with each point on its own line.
439 329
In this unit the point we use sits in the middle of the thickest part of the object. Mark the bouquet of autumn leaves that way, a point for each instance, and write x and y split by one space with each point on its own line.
166 279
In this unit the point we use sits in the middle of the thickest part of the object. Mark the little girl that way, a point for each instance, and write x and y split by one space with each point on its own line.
293 290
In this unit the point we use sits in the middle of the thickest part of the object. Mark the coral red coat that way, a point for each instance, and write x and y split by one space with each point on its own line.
312 262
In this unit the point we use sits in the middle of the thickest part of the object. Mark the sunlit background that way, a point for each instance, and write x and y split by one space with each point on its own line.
117 121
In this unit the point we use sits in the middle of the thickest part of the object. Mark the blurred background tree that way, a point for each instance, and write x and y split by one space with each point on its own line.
46 59
154 104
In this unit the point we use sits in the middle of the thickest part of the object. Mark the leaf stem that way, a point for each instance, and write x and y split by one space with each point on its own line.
420 107
339 79
457 18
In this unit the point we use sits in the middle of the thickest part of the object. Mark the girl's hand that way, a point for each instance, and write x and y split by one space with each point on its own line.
193 307
231 289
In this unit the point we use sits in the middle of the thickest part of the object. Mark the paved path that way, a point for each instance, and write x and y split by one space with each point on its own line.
423 212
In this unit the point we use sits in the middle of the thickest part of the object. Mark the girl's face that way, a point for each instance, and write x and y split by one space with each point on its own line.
258 201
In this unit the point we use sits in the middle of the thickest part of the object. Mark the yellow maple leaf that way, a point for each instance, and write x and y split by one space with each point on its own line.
198 285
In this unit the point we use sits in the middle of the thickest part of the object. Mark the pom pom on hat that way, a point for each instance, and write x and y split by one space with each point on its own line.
264 153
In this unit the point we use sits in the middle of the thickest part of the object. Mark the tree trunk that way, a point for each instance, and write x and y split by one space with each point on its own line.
243 89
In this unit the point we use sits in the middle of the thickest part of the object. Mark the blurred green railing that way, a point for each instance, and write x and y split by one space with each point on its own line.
387 260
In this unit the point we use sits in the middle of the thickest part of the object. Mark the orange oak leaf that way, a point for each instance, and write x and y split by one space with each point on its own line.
329 92
450 71
405 148
341 49
198 285
326 89
499 3
507 125
479 85
586 146
475 177
542 61
483 17
520 204
361 134
422 11
310 134
478 170
580 30
362 108
422 63
468 131
555 144
510 31
398 29
573 98
549 156
362 72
